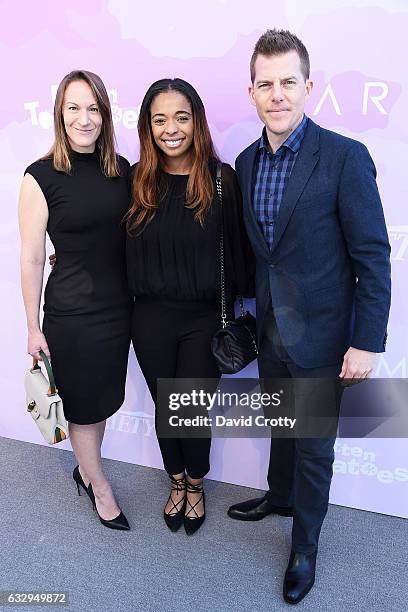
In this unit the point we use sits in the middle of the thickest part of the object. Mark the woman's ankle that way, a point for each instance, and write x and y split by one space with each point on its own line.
102 488
179 476
194 481
195 498
83 475
177 495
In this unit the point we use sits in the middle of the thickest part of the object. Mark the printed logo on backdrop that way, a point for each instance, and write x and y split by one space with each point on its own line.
373 93
359 101
44 118
356 461
353 100
387 367
398 235
134 422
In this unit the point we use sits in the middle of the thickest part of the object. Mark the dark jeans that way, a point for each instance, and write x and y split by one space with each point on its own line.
300 469
172 339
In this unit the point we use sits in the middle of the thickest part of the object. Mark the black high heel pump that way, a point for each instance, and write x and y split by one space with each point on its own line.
119 522
76 475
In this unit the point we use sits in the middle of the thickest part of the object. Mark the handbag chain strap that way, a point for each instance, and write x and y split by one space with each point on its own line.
222 254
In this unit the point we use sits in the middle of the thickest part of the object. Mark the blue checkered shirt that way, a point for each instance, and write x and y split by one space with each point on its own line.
271 175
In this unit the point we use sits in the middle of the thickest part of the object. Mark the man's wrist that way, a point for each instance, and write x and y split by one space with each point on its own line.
364 350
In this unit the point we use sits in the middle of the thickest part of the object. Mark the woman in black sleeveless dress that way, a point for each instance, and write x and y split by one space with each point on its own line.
79 193
173 267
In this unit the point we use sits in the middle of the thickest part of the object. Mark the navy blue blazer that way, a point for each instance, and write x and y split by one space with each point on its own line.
328 272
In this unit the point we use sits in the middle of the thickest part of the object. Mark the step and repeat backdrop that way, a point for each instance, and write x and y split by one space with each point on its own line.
357 49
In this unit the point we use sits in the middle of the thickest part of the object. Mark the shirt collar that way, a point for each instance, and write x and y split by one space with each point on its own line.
292 142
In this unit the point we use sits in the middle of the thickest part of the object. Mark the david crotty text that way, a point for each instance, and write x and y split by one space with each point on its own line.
222 421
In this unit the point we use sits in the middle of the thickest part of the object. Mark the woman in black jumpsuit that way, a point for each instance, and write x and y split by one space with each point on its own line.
81 192
173 267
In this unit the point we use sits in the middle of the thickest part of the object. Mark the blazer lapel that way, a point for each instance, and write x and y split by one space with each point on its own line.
249 165
305 163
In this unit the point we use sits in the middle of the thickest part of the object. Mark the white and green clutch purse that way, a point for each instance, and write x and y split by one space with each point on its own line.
44 404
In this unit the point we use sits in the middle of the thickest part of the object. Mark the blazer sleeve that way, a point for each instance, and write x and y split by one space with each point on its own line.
239 257
363 224
238 170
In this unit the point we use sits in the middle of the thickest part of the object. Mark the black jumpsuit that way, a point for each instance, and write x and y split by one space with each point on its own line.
173 271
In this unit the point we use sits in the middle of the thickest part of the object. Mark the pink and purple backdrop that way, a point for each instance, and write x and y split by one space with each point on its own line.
358 50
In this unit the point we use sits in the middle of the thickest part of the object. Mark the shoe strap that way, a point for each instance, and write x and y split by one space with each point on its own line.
194 488
178 485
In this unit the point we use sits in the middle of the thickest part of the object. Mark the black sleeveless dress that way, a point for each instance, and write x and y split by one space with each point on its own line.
86 301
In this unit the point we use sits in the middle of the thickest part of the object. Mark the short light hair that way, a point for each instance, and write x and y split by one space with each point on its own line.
278 42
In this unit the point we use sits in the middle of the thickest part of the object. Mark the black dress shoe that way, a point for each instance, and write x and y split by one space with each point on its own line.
120 522
256 509
193 523
76 475
175 518
299 577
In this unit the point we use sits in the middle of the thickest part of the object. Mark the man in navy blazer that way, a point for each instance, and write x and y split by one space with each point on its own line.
315 221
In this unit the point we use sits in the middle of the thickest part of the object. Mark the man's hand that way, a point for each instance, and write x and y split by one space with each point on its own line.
357 366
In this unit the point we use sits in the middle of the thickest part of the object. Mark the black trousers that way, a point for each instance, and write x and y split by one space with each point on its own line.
300 469
172 339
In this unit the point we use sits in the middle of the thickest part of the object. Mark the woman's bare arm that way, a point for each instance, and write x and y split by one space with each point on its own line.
33 219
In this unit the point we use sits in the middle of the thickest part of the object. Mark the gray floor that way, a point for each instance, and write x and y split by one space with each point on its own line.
50 540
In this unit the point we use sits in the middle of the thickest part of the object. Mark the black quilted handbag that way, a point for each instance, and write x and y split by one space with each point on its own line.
234 345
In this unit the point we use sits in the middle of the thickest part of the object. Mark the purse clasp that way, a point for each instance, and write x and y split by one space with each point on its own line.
31 406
